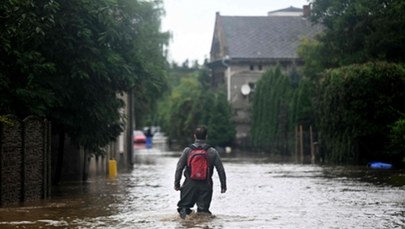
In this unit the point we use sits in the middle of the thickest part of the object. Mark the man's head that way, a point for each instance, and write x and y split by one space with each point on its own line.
200 133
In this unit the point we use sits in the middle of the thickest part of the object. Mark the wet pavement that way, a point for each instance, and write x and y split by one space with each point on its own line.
261 194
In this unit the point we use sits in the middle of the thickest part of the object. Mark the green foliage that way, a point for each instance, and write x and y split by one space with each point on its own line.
221 129
192 103
302 109
184 116
310 50
357 31
397 135
23 67
68 61
5 120
356 104
150 43
270 112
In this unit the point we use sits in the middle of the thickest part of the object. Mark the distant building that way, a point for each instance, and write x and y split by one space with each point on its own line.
244 47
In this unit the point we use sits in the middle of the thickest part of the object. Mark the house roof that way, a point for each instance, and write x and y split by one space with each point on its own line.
289 9
274 37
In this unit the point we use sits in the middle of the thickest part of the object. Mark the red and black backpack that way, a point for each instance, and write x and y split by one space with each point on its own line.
197 162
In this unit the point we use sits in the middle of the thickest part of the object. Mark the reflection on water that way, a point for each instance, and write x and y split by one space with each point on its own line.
261 194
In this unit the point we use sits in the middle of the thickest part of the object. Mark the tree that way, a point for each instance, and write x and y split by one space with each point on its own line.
357 105
150 51
71 68
397 136
68 61
346 60
192 103
311 52
357 31
23 66
302 109
221 130
270 112
185 111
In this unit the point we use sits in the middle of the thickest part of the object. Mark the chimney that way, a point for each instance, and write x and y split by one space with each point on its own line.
306 10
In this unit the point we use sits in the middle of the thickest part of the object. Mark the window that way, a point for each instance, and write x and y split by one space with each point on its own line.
259 67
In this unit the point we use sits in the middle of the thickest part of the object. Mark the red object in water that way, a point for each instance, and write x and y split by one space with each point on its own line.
139 136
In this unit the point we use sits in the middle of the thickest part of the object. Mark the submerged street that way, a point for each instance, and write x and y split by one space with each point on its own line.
261 194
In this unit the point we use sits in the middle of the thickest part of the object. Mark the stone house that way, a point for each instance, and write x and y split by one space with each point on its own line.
244 47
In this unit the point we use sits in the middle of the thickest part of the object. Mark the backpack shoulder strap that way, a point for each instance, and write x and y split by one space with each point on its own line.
206 147
193 147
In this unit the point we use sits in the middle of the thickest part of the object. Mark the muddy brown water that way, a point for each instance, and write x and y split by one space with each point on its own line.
261 194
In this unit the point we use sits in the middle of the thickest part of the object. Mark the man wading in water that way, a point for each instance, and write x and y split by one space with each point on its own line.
198 161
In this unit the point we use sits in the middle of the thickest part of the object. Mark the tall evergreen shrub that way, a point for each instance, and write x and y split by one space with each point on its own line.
356 105
270 112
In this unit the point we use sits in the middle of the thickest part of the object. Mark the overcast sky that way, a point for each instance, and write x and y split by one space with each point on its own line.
191 22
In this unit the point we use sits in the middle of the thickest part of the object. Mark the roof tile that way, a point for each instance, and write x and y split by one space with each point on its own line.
266 36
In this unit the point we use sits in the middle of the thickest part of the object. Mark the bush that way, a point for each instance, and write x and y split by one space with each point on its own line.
356 104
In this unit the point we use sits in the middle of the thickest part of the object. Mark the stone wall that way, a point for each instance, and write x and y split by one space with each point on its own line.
24 160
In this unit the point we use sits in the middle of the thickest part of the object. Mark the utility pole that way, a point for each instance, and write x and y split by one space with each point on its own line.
130 148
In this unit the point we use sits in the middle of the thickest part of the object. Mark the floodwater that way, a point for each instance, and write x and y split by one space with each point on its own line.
261 194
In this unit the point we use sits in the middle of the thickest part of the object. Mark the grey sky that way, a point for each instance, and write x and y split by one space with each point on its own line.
191 22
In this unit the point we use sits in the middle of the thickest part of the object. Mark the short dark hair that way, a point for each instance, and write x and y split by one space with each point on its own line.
201 132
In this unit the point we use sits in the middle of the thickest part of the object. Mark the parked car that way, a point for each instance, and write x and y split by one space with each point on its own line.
139 136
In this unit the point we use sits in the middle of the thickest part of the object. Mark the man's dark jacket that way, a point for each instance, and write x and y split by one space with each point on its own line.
214 160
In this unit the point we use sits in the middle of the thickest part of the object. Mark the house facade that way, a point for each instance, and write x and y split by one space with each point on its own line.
244 47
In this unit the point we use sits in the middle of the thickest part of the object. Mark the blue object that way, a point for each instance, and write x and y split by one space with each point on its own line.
148 142
379 165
